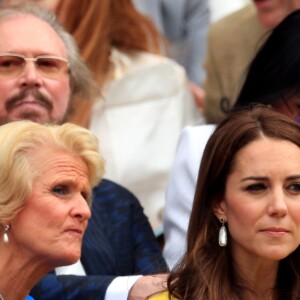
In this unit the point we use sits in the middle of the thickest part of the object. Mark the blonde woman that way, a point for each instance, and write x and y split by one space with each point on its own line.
47 175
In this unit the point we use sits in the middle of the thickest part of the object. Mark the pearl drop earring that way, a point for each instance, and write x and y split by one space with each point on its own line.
5 234
222 234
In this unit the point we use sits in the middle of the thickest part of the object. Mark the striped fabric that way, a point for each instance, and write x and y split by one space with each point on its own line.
119 241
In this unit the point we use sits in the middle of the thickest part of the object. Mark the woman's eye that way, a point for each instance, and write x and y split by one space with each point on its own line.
295 187
256 187
84 195
60 190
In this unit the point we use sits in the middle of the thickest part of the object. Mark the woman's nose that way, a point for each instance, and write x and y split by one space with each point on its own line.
81 209
277 206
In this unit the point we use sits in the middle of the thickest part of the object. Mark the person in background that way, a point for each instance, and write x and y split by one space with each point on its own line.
244 232
145 100
119 241
273 79
47 175
184 24
232 43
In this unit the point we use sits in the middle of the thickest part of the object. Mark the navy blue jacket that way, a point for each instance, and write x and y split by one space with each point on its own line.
118 241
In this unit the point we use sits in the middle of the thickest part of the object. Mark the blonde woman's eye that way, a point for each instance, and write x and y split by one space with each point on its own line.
87 197
84 195
60 190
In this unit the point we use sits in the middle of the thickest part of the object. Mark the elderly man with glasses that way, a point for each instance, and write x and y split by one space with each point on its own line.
41 73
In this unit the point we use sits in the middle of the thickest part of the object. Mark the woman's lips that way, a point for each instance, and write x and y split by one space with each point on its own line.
75 231
275 231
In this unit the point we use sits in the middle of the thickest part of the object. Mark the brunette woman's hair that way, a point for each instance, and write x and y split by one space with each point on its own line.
207 270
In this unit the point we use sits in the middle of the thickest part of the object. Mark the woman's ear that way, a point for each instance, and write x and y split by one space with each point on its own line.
220 210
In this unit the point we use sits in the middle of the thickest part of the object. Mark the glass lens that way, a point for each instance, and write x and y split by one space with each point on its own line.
50 66
47 66
11 65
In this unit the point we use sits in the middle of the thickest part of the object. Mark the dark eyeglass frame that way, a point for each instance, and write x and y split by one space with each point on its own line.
54 73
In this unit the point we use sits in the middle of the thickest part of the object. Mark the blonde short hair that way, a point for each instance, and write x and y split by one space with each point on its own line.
18 142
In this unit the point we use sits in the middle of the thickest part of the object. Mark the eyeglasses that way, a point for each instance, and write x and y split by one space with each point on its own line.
50 66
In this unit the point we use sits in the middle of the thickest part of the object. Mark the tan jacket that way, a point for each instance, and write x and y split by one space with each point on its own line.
232 43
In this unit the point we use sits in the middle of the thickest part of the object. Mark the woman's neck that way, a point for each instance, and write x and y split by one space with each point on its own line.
258 277
14 285
18 273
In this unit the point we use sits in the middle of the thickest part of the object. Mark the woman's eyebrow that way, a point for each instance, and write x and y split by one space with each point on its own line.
257 178
293 177
264 178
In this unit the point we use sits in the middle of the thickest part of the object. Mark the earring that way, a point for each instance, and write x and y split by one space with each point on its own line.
5 235
222 234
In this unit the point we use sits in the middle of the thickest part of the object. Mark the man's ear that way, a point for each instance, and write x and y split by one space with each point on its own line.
220 210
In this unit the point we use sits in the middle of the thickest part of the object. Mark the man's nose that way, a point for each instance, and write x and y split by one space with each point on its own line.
30 75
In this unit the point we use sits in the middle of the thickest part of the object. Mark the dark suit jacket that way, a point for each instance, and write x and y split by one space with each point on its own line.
118 241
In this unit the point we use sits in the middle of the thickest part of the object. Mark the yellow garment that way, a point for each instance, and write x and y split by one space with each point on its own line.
161 296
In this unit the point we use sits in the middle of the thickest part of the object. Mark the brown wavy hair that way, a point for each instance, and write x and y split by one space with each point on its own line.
207 270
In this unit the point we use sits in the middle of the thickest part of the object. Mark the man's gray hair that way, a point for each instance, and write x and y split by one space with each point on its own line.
82 83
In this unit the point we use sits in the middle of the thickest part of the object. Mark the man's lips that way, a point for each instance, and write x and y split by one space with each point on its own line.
34 97
28 102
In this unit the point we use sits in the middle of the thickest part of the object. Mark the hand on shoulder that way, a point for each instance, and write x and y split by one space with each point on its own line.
149 285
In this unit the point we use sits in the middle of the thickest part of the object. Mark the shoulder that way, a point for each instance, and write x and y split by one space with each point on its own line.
162 296
164 77
115 205
112 193
191 145
190 148
194 137
242 20
134 60
185 168
197 132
